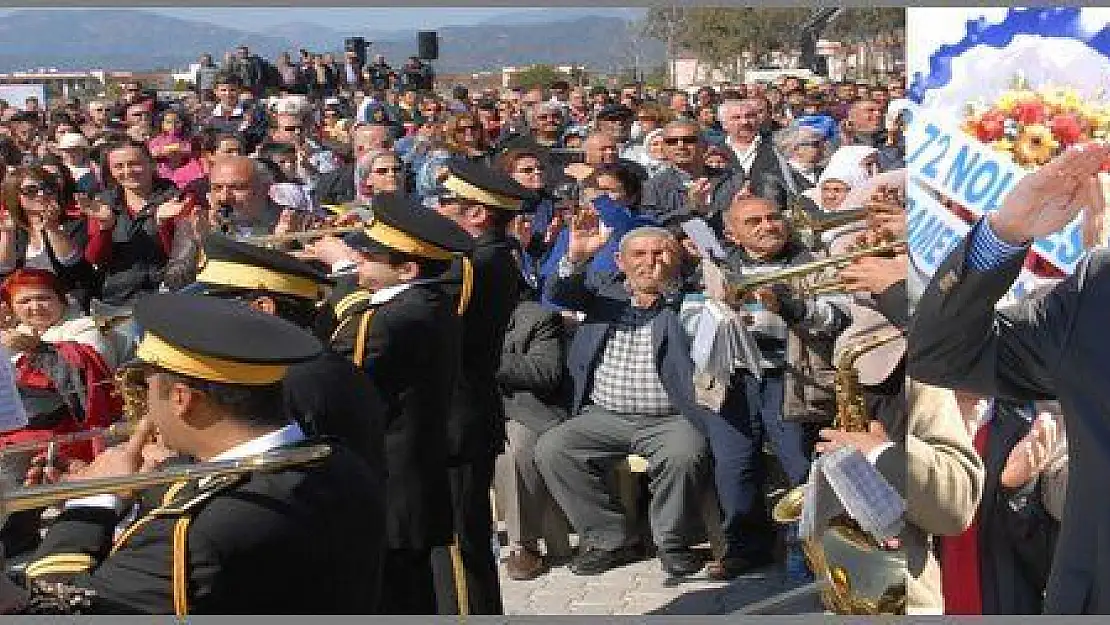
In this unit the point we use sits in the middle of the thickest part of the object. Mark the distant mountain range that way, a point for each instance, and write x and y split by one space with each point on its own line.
137 40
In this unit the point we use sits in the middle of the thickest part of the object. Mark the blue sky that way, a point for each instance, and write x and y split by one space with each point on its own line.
371 18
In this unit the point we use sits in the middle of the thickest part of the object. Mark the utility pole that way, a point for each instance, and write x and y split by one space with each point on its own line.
672 26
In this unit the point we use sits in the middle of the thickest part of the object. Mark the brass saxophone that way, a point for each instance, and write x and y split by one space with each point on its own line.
861 577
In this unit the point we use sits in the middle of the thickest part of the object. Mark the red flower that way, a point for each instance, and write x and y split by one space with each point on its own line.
1029 112
1066 128
991 126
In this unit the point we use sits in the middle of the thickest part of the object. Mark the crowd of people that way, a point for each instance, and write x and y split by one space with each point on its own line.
512 289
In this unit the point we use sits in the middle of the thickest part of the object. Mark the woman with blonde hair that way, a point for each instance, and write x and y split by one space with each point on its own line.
463 137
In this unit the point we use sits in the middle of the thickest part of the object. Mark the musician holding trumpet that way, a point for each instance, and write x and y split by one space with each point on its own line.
781 403
295 536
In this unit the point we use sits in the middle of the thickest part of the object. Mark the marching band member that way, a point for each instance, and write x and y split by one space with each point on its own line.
398 324
482 202
293 540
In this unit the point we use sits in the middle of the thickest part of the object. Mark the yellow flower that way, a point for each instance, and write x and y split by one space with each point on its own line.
1008 100
1035 145
1003 145
1072 101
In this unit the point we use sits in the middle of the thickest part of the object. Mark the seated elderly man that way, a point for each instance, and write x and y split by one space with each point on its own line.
633 393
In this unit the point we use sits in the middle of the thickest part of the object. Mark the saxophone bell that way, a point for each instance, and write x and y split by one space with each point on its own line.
863 577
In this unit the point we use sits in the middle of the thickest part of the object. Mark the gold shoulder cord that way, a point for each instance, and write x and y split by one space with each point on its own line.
341 308
363 334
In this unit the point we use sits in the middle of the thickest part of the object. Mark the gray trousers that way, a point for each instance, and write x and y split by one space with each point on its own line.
577 457
529 510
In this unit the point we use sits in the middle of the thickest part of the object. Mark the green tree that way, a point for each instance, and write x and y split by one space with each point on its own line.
727 38
539 76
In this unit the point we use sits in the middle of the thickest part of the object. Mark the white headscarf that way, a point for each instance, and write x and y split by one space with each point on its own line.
846 166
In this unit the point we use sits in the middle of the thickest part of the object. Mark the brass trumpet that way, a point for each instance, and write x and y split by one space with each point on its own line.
804 222
302 237
812 278
862 577
35 497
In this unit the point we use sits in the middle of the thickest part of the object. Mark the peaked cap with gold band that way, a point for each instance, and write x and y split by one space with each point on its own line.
401 225
217 340
481 184
230 264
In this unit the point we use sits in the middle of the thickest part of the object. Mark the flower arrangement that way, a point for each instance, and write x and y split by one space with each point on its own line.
1035 125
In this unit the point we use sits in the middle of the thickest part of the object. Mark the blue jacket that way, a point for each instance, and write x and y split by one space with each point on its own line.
614 216
603 297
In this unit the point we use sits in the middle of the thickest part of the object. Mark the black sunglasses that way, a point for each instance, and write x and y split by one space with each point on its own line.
687 140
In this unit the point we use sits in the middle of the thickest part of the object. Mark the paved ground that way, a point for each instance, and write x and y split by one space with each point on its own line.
641 589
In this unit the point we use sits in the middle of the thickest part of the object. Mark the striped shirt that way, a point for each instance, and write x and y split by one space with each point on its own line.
987 250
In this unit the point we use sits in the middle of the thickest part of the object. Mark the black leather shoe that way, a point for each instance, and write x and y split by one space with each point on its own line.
597 561
680 562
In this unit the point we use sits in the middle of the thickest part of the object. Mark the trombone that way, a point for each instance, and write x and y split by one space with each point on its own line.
35 497
116 430
797 276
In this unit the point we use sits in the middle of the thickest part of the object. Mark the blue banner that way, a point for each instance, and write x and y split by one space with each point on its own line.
978 178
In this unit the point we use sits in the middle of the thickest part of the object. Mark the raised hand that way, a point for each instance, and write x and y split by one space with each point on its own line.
19 341
873 274
697 195
586 236
1030 456
170 209
1048 199
123 459
98 211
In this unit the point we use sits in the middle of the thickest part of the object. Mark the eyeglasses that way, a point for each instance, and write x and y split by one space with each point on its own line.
530 170
816 143
292 128
138 114
384 171
32 190
686 140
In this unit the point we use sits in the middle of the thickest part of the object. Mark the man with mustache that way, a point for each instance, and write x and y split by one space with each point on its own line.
784 403
633 393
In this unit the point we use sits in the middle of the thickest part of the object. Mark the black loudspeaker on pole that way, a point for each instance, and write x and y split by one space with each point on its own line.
358 46
428 45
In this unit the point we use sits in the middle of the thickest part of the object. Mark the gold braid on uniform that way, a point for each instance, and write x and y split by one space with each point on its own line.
344 306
